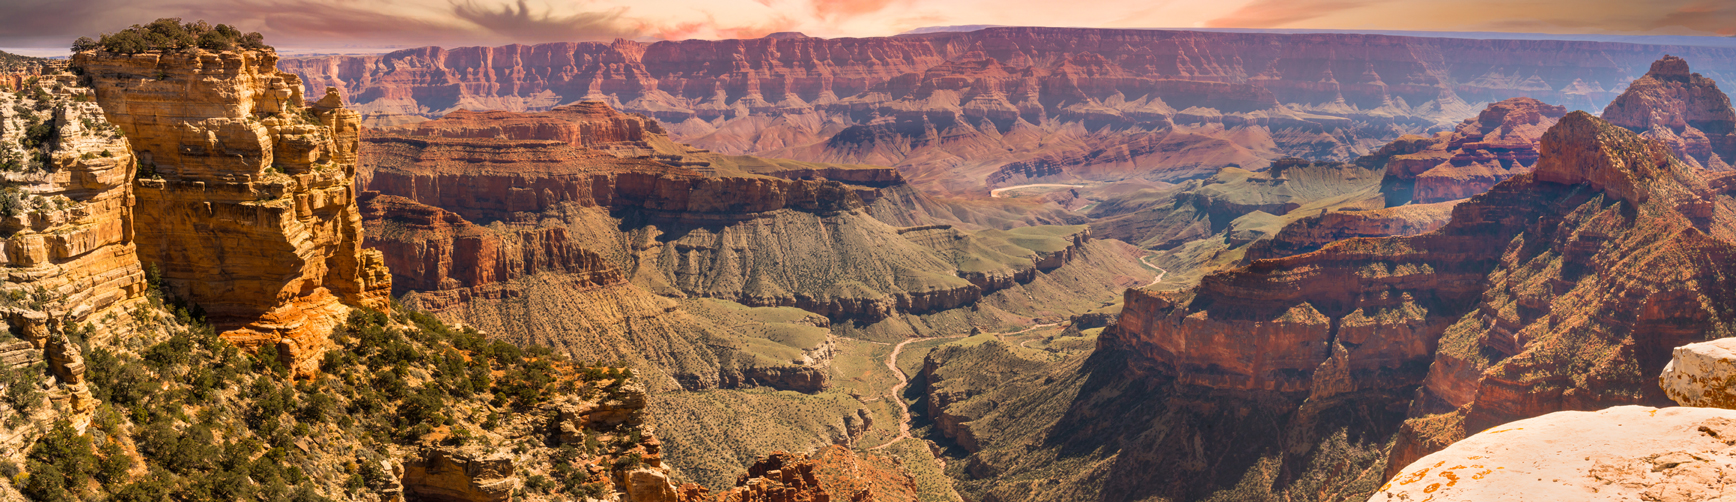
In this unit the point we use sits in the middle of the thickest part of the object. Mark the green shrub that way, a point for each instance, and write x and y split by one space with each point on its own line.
169 34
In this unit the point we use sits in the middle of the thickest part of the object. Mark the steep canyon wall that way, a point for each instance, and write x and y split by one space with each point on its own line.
1003 106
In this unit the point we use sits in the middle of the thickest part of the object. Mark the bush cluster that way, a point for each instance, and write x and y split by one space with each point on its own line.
170 34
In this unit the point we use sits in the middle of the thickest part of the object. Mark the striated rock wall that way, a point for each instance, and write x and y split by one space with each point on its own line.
431 249
1560 289
247 191
680 220
68 261
1315 232
959 112
1681 109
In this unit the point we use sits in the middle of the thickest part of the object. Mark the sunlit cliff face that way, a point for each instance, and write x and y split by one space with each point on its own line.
378 23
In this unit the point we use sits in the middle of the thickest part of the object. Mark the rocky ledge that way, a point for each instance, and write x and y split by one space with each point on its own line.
1620 453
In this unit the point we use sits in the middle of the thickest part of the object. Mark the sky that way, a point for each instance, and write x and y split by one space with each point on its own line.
46 27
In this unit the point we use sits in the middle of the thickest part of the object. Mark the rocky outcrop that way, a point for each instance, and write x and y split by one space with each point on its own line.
1524 304
1620 453
1501 142
67 236
69 270
1681 109
963 111
1315 232
1700 374
247 191
453 475
432 249
832 474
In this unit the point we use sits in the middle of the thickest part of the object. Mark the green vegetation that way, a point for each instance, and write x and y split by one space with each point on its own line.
185 415
170 34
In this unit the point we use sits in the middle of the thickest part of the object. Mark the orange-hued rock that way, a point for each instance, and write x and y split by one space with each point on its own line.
1501 142
1560 289
1683 110
249 200
67 245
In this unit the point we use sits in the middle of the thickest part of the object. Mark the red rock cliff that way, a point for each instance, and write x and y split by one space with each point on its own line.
961 111
1682 109
1560 289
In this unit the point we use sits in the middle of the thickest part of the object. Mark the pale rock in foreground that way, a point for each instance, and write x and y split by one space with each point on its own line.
1620 453
1700 374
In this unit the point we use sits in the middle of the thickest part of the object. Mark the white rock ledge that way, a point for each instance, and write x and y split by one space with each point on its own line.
1622 453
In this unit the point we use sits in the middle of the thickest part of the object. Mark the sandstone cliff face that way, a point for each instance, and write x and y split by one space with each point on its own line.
247 191
1560 289
1683 110
962 111
431 249
67 244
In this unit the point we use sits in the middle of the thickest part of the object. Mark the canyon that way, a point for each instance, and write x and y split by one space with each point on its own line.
1563 287
962 112
1005 264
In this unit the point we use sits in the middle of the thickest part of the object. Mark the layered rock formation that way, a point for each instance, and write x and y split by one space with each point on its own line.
66 207
247 191
961 111
675 216
68 260
1528 301
1501 142
1681 109
1620 453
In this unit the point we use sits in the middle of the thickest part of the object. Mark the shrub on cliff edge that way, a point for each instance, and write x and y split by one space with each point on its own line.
169 34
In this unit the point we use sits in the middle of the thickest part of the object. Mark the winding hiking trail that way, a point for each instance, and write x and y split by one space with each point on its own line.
904 380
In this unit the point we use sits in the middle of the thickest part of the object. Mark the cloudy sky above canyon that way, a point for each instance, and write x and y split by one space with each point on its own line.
404 23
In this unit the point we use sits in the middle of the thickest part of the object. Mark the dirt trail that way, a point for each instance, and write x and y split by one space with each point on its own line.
904 380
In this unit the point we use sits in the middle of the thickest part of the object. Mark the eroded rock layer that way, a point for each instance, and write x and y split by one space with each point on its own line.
1004 106
247 191
1499 143
1560 289
1683 110
671 218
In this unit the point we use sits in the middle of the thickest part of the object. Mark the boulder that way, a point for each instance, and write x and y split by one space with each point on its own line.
1699 374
